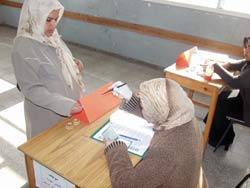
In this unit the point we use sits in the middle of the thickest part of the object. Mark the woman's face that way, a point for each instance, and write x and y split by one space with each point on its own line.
247 51
51 23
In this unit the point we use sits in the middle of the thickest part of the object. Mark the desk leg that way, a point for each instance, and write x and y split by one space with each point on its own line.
190 93
210 117
30 171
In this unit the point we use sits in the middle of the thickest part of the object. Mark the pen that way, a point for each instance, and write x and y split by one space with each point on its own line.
111 89
128 137
121 85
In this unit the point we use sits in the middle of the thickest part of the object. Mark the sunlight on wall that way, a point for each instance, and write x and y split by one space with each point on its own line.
9 178
5 86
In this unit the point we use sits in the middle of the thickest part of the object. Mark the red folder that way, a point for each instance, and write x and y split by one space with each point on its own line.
96 104
183 60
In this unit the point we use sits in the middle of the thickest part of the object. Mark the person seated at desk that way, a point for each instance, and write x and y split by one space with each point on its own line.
174 157
238 104
49 77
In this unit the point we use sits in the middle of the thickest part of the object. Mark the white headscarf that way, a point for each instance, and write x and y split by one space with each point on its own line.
165 104
32 20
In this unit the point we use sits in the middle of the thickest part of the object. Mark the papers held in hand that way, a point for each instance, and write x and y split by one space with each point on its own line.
136 132
109 134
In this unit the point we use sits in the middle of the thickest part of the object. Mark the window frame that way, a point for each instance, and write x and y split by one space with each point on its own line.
217 10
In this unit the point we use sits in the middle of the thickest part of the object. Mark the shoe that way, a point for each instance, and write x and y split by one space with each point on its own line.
226 147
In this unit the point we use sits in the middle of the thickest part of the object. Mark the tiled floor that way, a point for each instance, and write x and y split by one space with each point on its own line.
223 169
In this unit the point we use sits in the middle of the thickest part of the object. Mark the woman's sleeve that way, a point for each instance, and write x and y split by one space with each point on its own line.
236 82
34 90
132 106
144 175
237 65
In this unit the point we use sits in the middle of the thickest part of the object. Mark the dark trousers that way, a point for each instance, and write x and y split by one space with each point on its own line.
225 107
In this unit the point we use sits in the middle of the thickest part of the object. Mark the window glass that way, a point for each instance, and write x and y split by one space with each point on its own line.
242 6
204 3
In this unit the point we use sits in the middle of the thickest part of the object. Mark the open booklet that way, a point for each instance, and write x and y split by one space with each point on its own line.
136 132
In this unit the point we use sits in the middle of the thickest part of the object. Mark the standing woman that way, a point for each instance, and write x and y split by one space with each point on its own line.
46 72
174 157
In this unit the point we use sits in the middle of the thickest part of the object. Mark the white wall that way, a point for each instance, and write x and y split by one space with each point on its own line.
229 29
9 15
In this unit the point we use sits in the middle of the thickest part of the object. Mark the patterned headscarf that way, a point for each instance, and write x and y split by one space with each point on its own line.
165 104
32 20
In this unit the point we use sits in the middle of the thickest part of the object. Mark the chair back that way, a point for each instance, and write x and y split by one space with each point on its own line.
245 182
235 120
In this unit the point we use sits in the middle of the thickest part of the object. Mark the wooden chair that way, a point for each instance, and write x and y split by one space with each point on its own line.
232 121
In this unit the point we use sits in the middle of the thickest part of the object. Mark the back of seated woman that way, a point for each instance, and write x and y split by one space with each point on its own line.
174 157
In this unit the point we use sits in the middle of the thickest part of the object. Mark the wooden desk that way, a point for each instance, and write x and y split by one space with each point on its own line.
196 83
71 154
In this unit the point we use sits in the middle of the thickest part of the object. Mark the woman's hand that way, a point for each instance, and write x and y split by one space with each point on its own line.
79 64
77 108
121 89
106 142
226 66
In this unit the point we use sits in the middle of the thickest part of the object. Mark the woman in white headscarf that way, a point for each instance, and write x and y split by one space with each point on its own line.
46 72
174 157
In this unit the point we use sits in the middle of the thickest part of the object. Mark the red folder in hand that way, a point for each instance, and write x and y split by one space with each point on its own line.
96 104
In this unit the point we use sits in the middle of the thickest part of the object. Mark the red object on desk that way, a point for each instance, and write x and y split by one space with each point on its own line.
207 77
96 104
183 60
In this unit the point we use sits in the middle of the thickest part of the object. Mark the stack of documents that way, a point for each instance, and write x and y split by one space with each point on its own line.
136 132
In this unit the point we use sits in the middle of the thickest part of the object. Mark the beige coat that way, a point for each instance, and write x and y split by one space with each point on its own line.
172 161
174 157
48 98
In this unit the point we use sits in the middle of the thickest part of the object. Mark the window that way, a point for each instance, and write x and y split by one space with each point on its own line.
204 3
239 6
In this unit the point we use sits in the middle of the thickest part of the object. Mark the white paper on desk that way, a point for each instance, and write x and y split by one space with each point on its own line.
215 76
234 93
213 56
133 130
45 178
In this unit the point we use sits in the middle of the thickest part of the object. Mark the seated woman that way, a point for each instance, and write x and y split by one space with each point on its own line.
174 157
237 106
